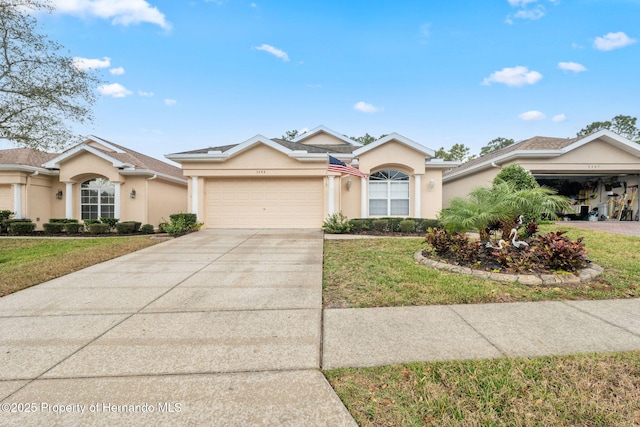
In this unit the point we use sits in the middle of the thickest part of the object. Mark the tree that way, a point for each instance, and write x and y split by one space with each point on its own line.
498 204
41 90
622 125
290 135
458 153
366 138
521 178
496 144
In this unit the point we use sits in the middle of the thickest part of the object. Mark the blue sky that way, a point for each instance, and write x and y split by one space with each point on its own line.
187 74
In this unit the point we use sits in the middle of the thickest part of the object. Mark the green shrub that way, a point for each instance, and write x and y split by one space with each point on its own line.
181 223
98 228
358 225
336 223
62 220
111 222
147 229
88 222
136 225
423 224
21 227
125 227
188 219
381 225
72 227
53 227
5 215
407 226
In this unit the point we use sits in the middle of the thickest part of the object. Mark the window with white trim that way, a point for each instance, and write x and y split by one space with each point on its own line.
389 193
97 199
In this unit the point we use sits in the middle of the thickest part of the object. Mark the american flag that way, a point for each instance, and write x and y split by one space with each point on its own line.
336 165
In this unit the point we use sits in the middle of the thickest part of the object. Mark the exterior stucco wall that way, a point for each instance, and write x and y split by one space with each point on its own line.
134 209
86 166
461 187
163 199
392 155
322 138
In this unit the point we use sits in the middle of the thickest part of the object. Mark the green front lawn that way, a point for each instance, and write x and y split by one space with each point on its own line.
27 262
581 390
383 273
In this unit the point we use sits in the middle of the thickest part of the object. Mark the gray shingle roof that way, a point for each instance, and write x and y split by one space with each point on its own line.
532 144
338 148
25 157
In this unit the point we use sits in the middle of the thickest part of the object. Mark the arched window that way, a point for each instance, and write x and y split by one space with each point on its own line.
97 199
389 193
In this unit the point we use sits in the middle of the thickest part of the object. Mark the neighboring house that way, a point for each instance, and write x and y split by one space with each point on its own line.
93 179
265 182
600 170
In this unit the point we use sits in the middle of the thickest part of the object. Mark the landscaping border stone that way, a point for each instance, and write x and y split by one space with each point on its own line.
554 279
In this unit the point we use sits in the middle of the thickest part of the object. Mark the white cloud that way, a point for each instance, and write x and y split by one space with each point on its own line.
559 118
274 51
532 115
121 12
115 90
83 64
520 3
516 76
533 14
365 107
572 66
117 71
613 41
143 93
170 102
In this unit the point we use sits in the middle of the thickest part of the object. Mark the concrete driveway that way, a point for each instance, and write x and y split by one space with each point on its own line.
220 327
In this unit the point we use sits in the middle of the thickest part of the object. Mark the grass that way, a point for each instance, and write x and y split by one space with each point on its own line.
382 273
584 390
28 262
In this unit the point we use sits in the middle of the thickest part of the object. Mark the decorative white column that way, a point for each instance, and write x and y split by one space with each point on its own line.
364 200
68 207
117 204
17 200
332 195
194 195
417 202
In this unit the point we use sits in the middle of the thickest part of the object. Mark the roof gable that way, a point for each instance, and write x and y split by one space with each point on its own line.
540 147
341 139
398 138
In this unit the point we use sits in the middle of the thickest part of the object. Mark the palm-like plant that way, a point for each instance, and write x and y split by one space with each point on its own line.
499 204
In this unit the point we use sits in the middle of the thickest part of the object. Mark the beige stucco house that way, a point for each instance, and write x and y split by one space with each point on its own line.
264 182
600 170
94 179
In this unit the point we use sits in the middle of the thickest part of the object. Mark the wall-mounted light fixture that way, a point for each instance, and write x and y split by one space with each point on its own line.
432 184
59 195
349 183
133 193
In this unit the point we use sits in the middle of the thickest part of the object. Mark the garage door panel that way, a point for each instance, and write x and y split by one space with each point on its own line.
264 202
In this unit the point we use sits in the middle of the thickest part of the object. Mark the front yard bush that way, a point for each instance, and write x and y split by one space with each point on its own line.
181 223
98 228
125 227
407 226
62 220
21 227
381 225
111 222
53 227
147 229
72 227
336 223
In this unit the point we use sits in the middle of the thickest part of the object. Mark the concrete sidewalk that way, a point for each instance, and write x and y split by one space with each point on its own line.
383 336
218 328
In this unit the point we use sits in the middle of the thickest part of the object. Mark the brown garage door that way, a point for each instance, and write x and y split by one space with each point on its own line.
264 203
